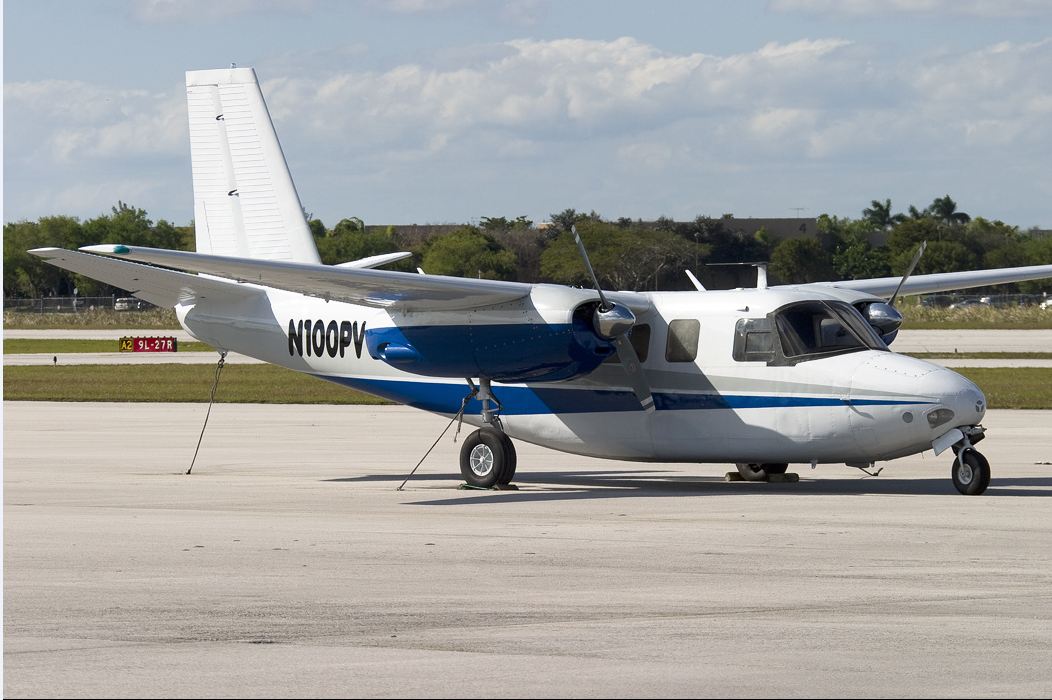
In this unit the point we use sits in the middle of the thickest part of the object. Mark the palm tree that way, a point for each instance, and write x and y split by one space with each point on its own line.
916 213
945 209
879 214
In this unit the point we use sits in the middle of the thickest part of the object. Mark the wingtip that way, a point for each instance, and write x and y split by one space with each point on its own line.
45 252
107 249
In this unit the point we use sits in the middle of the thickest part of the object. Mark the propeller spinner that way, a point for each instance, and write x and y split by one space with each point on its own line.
613 322
883 315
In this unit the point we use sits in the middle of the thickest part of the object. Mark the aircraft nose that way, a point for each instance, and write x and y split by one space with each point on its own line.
960 401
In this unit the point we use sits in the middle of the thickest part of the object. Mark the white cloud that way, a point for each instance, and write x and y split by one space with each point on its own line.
71 120
557 89
604 119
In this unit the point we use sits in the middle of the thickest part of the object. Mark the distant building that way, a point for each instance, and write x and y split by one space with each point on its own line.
777 229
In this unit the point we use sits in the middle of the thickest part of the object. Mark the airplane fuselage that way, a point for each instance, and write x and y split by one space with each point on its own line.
712 403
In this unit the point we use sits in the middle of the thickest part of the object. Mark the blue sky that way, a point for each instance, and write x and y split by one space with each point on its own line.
446 111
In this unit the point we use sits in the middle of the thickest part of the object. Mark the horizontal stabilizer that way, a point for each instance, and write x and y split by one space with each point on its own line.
377 260
368 287
164 288
945 281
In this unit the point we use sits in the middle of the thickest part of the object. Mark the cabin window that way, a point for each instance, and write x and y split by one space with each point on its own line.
639 336
682 343
753 340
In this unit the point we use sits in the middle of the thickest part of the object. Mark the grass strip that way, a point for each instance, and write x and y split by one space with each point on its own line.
58 346
1013 387
1022 387
981 355
174 383
93 319
919 317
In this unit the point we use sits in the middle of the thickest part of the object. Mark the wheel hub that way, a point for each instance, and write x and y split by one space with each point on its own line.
481 460
965 473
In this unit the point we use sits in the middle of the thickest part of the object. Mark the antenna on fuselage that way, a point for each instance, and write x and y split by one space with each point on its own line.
695 281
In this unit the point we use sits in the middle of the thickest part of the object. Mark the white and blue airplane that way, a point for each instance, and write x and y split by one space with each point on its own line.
761 378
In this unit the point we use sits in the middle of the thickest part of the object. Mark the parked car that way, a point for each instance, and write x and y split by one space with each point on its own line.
969 304
1046 304
129 304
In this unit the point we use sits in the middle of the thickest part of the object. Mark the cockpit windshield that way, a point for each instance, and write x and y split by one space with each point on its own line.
823 328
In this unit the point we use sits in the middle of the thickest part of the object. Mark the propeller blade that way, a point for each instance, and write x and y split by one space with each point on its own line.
604 305
909 271
630 361
614 323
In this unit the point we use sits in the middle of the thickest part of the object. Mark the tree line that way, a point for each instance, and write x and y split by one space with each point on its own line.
627 254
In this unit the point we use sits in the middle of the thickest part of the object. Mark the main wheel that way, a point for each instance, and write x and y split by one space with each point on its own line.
483 458
970 473
511 460
760 472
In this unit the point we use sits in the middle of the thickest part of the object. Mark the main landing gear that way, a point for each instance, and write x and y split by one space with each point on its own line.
760 472
488 458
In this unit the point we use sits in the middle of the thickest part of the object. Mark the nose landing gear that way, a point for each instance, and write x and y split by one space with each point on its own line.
970 472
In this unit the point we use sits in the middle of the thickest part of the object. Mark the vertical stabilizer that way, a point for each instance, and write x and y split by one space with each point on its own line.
245 203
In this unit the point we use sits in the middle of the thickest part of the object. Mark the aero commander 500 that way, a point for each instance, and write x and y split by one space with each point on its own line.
759 377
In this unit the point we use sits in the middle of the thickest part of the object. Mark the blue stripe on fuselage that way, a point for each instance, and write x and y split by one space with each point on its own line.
525 400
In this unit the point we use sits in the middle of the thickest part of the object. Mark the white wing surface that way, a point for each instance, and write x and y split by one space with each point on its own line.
368 287
152 284
946 281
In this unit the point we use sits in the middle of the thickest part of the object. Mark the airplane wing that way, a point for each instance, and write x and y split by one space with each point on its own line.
365 286
945 281
153 284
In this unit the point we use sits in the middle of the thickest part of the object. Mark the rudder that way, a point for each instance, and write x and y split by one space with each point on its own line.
245 202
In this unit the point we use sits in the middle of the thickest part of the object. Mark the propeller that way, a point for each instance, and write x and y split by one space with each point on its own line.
909 271
613 322
883 315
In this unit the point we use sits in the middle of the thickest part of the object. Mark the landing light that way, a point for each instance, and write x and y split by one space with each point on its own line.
939 416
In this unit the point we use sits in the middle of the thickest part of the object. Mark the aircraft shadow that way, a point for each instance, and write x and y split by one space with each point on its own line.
569 486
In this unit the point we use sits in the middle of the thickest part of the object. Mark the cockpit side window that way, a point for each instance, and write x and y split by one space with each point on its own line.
754 340
816 328
803 331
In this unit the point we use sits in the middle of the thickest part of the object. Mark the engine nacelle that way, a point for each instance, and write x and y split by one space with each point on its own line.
505 352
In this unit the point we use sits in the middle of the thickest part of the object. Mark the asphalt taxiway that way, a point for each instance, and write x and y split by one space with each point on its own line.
288 565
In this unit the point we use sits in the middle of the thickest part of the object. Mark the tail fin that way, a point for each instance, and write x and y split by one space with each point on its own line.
245 203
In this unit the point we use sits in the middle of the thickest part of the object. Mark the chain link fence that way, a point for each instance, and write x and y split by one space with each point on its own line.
50 305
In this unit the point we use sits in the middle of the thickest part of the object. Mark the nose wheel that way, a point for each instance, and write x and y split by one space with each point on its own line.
970 472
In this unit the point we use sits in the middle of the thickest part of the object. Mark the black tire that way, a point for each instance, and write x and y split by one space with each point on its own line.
759 472
970 473
482 458
511 460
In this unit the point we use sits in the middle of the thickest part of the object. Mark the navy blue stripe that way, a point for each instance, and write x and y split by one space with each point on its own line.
518 400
